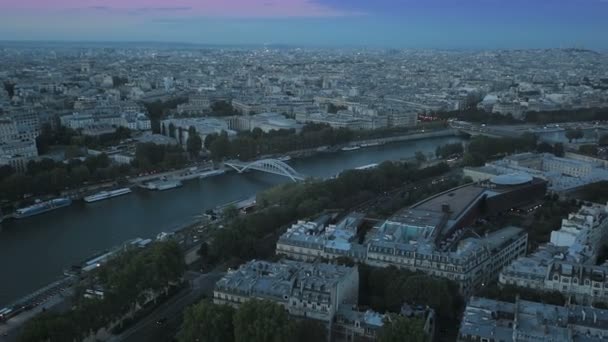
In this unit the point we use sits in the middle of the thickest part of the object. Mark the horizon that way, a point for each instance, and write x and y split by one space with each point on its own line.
436 24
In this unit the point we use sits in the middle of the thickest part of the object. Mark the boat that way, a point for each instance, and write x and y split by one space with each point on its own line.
42 207
103 195
168 185
211 173
350 148
371 144
285 158
367 167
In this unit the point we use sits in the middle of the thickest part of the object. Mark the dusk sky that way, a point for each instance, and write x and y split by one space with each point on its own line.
374 23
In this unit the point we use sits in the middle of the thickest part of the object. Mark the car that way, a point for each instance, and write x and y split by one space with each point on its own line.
162 321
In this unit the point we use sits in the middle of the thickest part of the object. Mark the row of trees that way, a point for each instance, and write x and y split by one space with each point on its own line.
483 148
265 321
50 177
157 110
150 156
449 150
253 321
544 117
387 289
249 145
46 176
129 281
254 236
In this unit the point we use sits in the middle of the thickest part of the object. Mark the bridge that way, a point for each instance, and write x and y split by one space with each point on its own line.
272 166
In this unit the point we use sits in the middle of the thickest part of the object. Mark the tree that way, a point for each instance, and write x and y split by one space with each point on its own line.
261 321
194 144
398 329
230 212
307 330
558 150
544 147
603 141
420 157
203 251
10 88
223 108
220 147
208 322
574 134
588 150
333 109
6 171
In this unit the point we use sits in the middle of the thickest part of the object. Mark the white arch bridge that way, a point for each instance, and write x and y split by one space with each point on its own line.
273 166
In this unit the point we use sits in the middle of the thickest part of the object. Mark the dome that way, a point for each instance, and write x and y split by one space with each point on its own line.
512 179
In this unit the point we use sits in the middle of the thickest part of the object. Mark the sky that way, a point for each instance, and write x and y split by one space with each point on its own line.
367 23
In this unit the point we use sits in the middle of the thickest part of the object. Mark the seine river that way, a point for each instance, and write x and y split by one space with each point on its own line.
34 251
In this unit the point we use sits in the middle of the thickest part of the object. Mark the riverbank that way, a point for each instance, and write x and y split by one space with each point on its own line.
34 251
366 143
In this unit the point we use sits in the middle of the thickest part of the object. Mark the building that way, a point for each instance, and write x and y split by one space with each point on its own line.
550 269
583 232
489 320
562 174
265 121
308 241
18 134
91 121
178 128
197 105
567 264
307 290
344 120
430 237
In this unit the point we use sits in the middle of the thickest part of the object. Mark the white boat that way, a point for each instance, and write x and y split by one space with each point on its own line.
350 148
285 158
367 167
168 185
163 184
211 173
371 144
103 195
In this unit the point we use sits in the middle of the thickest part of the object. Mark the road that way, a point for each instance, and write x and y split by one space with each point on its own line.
148 330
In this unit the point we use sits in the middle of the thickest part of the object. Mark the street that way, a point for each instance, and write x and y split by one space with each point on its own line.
148 330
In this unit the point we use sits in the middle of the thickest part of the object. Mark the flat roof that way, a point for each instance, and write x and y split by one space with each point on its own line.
458 199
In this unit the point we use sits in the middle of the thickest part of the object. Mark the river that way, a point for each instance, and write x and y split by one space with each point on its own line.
34 251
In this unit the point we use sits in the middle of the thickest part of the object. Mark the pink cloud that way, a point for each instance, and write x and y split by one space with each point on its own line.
212 8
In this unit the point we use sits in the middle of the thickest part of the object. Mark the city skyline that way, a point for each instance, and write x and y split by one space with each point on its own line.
384 23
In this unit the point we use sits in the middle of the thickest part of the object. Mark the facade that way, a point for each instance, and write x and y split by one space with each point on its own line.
489 320
567 264
197 105
203 126
583 232
307 290
18 134
308 241
89 121
265 121
344 120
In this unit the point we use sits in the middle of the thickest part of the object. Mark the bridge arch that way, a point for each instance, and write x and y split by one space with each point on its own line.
273 166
